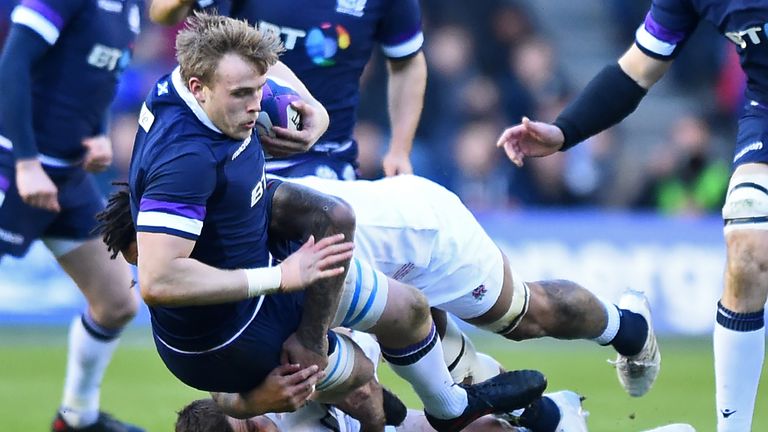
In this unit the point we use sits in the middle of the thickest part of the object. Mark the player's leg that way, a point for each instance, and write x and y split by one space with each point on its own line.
398 315
106 285
562 309
552 412
94 335
739 335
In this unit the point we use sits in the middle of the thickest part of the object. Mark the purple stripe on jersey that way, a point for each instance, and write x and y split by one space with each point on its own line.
187 210
662 33
4 183
46 11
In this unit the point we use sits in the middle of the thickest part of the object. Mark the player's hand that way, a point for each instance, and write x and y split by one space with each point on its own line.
305 353
397 162
285 389
314 121
530 139
314 261
35 187
98 153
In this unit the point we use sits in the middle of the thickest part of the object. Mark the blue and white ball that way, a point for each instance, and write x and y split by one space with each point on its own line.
276 109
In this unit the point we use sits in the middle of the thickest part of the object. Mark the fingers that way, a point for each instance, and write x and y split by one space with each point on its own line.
301 375
327 241
45 201
309 243
336 258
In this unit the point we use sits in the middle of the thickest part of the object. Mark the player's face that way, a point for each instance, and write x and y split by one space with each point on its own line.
233 99
253 424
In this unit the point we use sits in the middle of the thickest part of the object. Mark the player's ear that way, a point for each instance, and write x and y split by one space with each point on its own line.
196 87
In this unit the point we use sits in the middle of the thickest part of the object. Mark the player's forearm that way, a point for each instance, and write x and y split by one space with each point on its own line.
188 282
170 12
232 404
321 299
405 96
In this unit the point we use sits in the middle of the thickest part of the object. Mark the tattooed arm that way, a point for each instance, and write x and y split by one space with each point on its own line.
298 212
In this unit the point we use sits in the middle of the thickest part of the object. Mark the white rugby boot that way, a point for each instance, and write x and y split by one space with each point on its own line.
573 418
677 427
638 372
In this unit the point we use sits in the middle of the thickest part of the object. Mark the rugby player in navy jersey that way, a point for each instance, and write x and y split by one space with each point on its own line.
58 73
739 335
202 213
328 43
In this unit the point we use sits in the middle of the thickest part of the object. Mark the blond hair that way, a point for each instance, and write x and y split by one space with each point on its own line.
206 38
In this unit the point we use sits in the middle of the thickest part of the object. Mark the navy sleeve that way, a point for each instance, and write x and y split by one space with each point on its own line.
176 191
399 31
46 17
22 49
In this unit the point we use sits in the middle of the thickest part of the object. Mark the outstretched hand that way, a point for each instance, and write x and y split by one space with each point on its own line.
530 139
315 261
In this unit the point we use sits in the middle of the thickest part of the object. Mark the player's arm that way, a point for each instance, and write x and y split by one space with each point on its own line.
611 96
169 277
405 100
36 27
314 118
170 12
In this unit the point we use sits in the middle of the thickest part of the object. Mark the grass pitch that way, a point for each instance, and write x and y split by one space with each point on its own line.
139 388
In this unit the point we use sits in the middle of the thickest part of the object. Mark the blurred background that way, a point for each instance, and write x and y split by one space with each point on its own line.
636 206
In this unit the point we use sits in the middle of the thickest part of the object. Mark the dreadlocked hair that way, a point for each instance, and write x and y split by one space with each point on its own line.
115 224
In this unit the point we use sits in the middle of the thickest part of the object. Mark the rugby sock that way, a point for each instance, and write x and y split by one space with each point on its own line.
624 329
739 344
613 320
422 365
542 415
90 350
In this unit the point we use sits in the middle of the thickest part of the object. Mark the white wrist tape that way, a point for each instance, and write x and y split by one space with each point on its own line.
263 280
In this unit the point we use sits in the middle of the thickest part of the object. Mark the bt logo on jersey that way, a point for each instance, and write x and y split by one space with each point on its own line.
325 41
104 57
322 43
751 34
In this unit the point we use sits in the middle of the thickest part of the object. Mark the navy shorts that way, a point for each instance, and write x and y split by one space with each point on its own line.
245 362
21 224
325 165
752 138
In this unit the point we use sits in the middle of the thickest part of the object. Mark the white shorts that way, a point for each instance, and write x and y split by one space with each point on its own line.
417 232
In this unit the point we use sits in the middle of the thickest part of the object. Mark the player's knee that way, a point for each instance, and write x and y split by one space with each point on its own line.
115 313
416 307
341 215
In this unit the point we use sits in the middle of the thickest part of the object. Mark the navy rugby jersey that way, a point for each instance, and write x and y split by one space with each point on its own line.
188 179
75 81
744 22
329 42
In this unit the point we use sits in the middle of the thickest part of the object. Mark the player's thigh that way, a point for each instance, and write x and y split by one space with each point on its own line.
106 283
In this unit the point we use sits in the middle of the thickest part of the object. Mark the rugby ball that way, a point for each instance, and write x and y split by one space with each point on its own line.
276 109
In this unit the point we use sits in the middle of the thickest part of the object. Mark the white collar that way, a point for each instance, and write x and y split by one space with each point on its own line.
190 100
